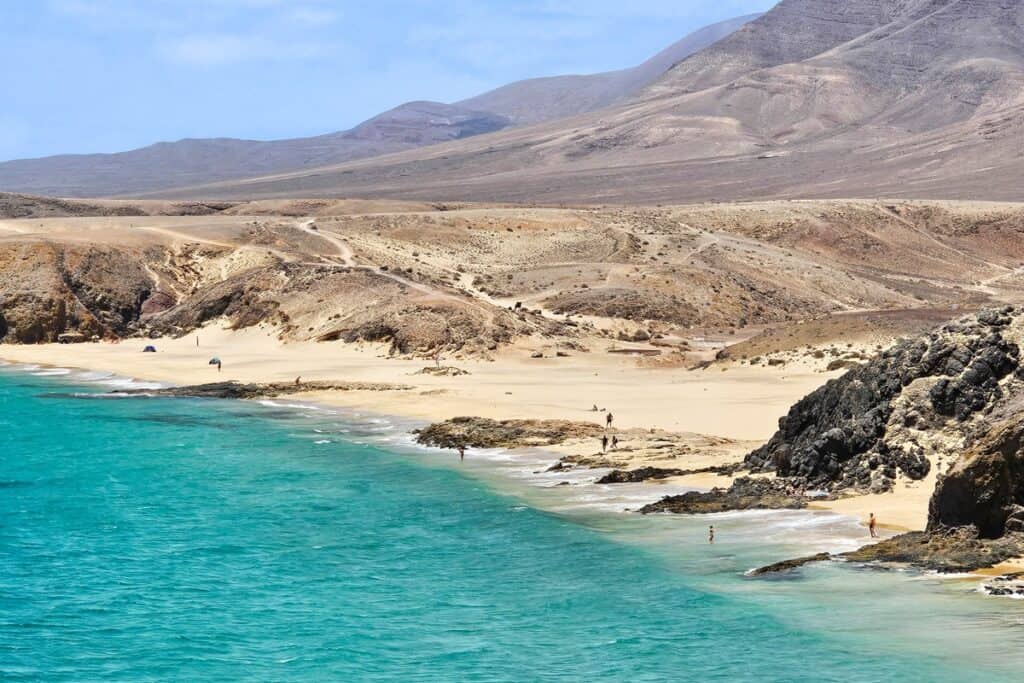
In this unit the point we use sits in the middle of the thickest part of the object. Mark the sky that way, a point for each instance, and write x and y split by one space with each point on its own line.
109 75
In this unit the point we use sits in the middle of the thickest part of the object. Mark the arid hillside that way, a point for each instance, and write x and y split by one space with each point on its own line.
671 284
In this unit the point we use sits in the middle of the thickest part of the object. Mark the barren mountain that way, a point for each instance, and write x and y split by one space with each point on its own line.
544 99
824 98
409 126
170 164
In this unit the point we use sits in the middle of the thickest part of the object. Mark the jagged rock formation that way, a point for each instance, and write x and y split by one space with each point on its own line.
479 432
745 494
891 416
948 550
985 488
955 393
916 406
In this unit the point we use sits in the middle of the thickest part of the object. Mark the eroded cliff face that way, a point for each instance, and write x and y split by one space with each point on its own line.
51 287
912 408
985 488
48 289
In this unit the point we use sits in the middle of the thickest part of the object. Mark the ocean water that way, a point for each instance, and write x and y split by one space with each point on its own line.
150 539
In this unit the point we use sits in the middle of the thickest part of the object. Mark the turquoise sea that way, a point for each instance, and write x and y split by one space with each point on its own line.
153 539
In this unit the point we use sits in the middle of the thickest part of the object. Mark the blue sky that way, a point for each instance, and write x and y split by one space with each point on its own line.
110 75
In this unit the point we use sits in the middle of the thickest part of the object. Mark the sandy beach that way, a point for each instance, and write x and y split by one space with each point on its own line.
736 407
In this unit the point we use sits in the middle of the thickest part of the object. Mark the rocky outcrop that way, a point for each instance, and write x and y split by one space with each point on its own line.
479 432
976 515
47 290
789 565
639 475
237 390
882 420
245 299
959 549
948 551
655 473
1007 585
746 493
985 488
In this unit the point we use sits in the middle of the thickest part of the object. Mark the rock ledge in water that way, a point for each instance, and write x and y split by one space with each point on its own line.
481 432
238 390
746 493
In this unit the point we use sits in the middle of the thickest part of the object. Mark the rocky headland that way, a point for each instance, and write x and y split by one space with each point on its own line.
949 400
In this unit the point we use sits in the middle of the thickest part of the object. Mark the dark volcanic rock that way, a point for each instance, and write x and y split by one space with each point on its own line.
840 435
237 390
985 488
638 475
1007 585
946 550
648 473
480 432
745 494
790 565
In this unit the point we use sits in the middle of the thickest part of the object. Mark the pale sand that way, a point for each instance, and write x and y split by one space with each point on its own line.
905 509
742 404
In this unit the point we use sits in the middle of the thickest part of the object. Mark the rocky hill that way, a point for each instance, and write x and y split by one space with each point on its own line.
913 408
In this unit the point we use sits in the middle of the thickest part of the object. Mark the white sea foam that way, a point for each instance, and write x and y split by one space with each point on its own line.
129 383
52 372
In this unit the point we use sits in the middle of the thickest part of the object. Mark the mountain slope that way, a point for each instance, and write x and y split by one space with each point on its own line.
409 126
817 98
544 99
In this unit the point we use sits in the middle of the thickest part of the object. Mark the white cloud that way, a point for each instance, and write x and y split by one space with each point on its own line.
222 49
313 16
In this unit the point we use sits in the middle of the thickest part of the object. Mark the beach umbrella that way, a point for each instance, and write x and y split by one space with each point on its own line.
149 349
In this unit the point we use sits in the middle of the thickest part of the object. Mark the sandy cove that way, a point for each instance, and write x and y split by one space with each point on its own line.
740 405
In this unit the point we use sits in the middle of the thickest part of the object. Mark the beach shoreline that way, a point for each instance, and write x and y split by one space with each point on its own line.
910 500
738 406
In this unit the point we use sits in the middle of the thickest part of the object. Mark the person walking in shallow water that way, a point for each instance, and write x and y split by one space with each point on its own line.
711 535
462 453
615 442
872 525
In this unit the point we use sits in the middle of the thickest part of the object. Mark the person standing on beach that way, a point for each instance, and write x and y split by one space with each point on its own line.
604 443
615 442
872 524
711 534
608 420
